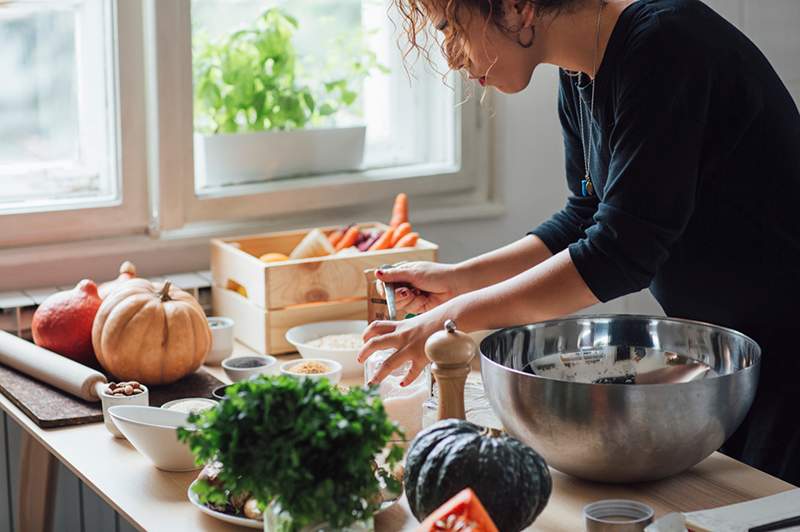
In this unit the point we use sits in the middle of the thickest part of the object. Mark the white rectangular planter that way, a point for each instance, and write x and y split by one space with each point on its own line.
235 158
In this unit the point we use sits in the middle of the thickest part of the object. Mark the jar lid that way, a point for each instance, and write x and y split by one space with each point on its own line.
618 515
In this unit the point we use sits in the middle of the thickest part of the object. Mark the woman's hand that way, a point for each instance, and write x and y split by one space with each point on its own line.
422 286
408 337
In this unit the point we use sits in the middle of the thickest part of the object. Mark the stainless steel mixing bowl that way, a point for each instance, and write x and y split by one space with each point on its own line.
619 432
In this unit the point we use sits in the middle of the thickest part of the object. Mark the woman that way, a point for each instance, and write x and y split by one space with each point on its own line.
683 162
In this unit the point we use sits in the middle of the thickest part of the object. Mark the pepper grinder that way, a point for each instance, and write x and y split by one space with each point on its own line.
451 352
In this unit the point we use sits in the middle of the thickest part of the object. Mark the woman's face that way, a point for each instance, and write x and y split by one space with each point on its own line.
476 43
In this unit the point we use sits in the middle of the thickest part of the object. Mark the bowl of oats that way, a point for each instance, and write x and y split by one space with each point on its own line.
313 368
339 341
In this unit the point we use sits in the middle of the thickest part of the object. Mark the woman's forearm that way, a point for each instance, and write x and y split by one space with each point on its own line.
552 289
501 264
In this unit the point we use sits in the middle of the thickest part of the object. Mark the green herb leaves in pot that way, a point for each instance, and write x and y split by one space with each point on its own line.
306 445
511 479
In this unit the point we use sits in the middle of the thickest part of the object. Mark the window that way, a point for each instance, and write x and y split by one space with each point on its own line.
347 62
418 138
59 113
54 144
101 134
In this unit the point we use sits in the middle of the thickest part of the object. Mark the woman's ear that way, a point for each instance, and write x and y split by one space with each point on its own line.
520 14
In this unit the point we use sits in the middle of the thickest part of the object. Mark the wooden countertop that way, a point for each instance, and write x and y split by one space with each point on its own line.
156 500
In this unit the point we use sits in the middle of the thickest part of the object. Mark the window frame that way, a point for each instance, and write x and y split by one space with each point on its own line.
127 213
178 208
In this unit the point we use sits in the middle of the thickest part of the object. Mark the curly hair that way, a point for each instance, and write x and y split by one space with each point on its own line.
416 24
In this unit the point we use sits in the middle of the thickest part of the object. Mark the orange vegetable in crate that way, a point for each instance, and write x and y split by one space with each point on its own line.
384 242
63 322
400 231
464 512
408 241
400 210
153 333
127 271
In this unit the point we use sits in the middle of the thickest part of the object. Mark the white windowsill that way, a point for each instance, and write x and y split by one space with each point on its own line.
185 249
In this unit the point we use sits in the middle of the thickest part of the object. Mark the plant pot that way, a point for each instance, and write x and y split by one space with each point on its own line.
235 158
276 520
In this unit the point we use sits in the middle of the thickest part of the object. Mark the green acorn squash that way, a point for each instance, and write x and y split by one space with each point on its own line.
510 478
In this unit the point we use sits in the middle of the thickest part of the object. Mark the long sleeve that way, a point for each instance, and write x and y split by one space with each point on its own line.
569 225
655 144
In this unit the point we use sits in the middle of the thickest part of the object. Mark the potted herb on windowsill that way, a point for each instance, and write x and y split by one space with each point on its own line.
303 448
254 118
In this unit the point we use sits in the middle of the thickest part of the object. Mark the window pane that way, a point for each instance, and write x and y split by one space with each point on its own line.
332 64
56 143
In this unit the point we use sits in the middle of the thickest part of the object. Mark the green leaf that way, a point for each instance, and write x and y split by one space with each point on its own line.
326 109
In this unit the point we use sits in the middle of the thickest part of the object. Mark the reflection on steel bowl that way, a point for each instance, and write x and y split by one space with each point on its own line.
569 389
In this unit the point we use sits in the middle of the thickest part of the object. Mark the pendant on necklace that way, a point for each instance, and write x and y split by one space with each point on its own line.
587 189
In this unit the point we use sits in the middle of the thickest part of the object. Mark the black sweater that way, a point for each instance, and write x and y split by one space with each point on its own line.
695 162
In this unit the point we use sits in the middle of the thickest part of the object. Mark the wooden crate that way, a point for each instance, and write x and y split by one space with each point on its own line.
281 295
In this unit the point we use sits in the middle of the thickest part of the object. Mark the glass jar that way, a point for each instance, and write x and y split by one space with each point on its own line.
476 405
403 404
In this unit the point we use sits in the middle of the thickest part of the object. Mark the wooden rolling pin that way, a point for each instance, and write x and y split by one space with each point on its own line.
51 368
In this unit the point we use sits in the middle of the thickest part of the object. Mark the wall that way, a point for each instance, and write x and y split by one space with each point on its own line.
528 163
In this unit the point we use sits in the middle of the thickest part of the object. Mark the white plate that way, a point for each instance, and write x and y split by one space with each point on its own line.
302 334
241 521
244 521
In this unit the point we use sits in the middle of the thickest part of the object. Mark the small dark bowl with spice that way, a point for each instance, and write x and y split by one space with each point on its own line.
241 368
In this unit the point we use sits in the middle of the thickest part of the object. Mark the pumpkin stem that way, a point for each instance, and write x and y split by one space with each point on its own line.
492 432
164 293
127 267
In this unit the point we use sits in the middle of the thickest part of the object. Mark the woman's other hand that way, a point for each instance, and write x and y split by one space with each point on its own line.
408 337
421 286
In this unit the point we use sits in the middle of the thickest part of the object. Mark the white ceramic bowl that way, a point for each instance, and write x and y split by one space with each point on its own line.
195 404
302 334
221 339
152 431
107 401
334 375
241 368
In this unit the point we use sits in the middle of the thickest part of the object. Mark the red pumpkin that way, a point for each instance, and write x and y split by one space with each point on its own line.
63 322
463 512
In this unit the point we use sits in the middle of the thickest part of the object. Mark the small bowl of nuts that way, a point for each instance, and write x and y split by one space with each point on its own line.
121 393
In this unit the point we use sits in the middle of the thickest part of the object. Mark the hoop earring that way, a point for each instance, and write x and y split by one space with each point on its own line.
529 42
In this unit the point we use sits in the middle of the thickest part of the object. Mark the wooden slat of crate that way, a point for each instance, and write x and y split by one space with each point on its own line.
264 330
295 283
228 262
283 284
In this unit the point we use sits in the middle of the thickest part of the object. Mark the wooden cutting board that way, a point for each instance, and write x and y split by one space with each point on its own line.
49 407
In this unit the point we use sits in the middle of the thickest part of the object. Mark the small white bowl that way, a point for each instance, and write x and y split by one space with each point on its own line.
190 404
152 431
107 401
302 334
241 368
334 375
221 339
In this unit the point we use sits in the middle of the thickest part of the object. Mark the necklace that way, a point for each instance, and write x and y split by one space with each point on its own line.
587 188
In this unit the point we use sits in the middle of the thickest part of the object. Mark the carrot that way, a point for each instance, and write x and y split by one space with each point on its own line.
384 242
408 241
348 239
335 237
400 210
402 230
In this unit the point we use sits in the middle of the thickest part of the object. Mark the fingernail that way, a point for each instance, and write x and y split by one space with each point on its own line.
404 384
379 273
